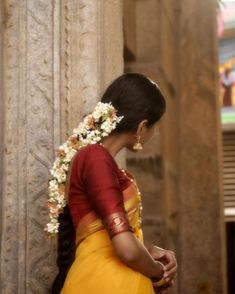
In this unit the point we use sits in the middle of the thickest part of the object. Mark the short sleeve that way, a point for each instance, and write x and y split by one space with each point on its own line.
103 190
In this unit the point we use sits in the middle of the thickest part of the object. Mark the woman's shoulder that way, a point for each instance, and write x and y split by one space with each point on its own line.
94 149
94 152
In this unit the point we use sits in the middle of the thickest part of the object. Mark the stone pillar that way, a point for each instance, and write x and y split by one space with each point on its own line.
201 223
92 53
57 58
179 173
147 165
192 146
1 107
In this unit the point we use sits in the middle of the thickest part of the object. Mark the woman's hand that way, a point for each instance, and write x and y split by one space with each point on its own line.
167 257
163 289
132 252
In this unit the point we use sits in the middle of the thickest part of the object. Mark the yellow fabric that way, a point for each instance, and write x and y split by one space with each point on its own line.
97 269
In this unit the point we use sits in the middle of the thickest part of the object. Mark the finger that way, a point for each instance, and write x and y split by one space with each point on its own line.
164 255
171 283
172 263
158 255
169 265
173 269
156 285
170 274
165 285
169 257
170 277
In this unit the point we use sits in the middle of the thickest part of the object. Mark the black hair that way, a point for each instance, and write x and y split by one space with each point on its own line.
65 249
136 97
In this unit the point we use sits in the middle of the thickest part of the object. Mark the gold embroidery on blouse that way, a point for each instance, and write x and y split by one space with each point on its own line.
117 222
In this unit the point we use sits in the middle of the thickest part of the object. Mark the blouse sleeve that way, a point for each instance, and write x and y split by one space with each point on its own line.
103 190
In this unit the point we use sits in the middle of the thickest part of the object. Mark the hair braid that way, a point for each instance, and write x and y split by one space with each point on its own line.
66 249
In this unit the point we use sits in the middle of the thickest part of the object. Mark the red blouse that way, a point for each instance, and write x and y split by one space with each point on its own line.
96 184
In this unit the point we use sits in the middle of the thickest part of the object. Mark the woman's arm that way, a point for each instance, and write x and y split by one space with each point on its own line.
99 173
132 252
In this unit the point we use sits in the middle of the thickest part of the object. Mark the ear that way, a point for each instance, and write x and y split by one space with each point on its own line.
141 127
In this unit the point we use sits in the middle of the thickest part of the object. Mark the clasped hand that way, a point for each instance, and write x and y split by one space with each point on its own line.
167 257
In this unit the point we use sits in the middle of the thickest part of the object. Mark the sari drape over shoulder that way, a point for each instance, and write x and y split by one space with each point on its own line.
104 201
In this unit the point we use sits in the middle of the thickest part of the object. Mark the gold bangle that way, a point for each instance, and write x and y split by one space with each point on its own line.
160 283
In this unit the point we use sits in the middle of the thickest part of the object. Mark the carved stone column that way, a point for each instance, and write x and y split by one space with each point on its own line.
57 57
92 53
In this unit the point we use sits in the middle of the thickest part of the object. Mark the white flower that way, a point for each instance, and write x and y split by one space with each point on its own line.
119 118
84 136
52 227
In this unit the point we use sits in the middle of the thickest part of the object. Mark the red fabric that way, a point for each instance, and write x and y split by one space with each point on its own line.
117 223
96 184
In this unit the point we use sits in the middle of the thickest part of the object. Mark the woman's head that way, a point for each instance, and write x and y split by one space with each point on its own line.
139 100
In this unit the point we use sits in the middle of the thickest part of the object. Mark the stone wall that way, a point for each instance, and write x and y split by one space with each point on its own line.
57 57
179 171
147 165
201 220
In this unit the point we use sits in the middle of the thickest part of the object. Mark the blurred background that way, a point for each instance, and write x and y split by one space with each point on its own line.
56 59
226 35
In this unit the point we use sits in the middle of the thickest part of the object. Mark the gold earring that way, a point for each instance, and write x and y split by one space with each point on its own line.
138 145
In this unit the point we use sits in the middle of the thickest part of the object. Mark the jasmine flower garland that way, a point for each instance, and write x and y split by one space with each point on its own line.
91 130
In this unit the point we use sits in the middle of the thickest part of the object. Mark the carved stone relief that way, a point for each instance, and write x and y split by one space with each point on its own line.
51 76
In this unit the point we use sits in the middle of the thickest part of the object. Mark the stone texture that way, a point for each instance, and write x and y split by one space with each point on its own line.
28 144
201 222
56 60
91 56
147 165
183 207
1 116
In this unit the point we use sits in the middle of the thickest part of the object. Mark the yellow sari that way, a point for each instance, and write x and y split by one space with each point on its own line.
97 269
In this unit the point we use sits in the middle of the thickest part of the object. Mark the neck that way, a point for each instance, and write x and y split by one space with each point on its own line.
114 143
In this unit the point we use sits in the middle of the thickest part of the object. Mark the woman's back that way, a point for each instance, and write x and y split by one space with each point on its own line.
103 202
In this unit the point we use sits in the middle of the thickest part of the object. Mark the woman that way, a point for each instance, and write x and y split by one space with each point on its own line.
100 242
